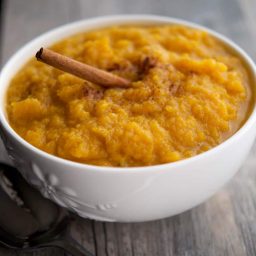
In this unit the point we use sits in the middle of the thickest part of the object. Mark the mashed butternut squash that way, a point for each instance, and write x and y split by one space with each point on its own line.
189 93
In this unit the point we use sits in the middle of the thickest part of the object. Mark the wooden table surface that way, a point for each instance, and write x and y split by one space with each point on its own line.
225 224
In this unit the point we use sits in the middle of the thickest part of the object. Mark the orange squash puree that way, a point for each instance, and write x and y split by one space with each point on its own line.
189 93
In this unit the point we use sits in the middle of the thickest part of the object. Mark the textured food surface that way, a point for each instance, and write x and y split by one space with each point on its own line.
189 93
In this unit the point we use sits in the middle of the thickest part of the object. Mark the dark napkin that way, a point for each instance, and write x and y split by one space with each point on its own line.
23 211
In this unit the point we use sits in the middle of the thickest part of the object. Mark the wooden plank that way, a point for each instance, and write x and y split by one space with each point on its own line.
99 238
243 196
82 232
42 252
248 7
26 19
1 28
224 225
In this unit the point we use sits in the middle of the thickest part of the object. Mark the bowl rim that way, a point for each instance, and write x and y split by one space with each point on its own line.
100 22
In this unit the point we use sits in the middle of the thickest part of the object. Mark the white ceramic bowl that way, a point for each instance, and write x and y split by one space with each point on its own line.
124 194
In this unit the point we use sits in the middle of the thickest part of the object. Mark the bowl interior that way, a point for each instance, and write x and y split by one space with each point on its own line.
55 35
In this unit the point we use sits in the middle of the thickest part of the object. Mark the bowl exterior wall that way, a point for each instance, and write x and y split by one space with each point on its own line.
130 195
134 196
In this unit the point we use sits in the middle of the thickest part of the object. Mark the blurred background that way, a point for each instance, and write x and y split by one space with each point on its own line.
224 225
22 20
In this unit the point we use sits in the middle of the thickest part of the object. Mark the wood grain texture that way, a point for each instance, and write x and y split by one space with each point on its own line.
1 28
225 225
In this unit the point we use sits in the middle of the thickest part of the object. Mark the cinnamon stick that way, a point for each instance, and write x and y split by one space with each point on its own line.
79 69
